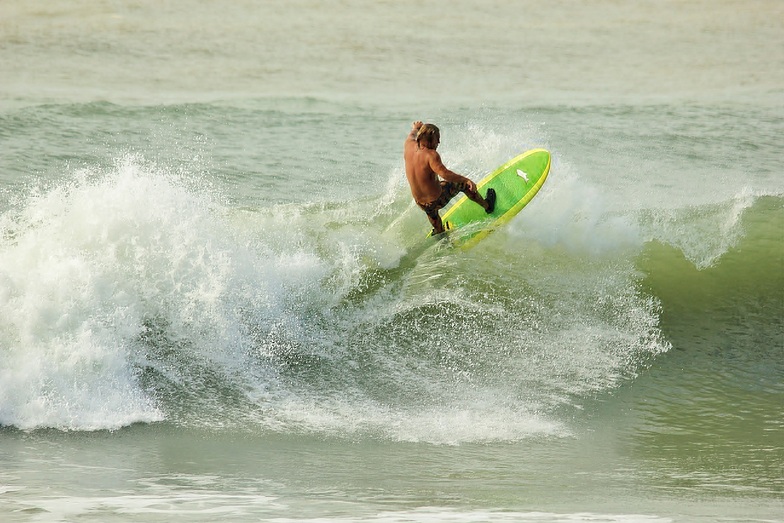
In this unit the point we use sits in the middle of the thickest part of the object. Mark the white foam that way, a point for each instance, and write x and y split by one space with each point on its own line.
573 215
704 233
84 268
470 420
137 268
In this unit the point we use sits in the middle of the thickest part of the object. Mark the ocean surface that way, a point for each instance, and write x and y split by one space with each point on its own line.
217 302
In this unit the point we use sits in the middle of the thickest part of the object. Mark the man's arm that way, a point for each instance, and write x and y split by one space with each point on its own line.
414 130
440 169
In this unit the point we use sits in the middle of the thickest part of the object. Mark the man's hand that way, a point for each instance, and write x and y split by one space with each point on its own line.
414 130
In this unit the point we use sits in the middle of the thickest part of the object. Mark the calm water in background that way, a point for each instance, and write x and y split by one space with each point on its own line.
215 299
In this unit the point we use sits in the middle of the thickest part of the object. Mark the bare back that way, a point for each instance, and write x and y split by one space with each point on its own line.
422 177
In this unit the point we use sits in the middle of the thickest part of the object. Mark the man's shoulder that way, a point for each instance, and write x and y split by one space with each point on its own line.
410 146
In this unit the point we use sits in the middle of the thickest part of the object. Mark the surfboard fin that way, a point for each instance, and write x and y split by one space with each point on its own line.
447 227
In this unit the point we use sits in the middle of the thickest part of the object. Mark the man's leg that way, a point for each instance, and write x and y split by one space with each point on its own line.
488 204
435 221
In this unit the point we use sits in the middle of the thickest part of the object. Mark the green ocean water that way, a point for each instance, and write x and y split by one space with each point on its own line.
217 299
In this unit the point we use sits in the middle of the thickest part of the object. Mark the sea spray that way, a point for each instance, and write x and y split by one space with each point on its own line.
305 318
89 268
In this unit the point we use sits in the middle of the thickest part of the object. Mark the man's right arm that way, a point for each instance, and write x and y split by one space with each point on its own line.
414 130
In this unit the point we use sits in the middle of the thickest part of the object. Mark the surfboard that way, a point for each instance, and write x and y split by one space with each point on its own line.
516 182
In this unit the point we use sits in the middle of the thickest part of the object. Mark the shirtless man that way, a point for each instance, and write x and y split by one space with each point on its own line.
424 166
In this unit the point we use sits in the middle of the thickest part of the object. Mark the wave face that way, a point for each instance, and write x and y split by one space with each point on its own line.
132 293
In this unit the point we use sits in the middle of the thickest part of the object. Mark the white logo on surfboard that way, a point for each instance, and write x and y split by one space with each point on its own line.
522 175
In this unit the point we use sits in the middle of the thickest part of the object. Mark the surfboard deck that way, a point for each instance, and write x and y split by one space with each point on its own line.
516 182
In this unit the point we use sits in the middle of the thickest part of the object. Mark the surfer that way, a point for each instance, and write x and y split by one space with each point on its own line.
423 168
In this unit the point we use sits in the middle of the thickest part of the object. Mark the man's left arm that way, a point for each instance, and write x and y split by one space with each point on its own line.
440 169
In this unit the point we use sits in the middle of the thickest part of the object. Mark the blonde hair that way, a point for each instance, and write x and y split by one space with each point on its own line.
428 130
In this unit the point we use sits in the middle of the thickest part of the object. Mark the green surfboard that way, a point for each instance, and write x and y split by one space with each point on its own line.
516 182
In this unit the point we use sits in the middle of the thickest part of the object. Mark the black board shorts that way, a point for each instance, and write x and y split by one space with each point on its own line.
448 191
